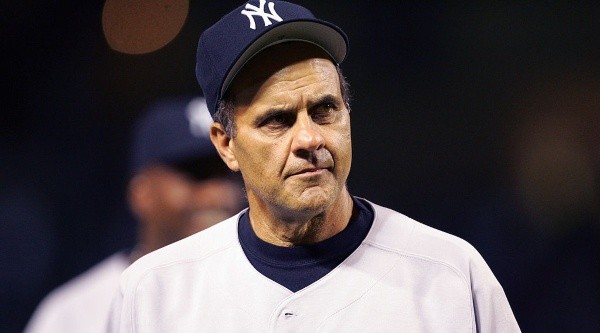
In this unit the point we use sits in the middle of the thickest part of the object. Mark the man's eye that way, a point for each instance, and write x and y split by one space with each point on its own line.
324 113
277 121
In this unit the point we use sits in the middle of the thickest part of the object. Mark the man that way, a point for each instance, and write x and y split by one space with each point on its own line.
178 186
306 255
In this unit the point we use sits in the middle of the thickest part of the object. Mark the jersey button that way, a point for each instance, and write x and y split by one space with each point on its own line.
288 314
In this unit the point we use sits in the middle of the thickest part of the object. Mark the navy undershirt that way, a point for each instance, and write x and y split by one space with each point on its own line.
298 266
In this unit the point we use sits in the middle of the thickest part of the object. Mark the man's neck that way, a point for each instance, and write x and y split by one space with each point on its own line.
302 229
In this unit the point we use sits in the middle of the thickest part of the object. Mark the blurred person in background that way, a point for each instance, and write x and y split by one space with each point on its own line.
178 186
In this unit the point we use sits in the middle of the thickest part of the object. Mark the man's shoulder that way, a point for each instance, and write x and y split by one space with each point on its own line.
81 297
194 248
399 233
100 277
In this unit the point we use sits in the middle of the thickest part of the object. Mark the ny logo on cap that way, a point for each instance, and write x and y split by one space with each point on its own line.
260 11
199 117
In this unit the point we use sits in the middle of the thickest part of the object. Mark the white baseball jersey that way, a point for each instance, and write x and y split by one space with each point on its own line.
82 304
404 277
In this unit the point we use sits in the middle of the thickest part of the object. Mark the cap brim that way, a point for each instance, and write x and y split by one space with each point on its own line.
320 33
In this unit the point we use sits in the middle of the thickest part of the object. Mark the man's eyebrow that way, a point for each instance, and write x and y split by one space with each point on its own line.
325 99
277 111
268 114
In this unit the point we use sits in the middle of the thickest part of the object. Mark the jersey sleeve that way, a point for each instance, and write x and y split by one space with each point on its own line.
492 310
114 319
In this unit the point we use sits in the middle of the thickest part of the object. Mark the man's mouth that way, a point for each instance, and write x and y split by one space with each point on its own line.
308 172
311 171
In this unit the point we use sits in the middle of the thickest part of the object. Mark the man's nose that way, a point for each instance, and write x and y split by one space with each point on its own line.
308 136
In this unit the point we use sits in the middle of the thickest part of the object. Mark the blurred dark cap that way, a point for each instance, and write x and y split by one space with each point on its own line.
175 132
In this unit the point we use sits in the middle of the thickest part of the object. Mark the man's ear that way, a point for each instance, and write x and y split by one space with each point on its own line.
224 145
139 195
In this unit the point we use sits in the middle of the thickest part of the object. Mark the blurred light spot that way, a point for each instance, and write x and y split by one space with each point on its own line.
142 26
556 171
557 144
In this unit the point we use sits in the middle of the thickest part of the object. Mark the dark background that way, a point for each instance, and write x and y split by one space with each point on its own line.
480 119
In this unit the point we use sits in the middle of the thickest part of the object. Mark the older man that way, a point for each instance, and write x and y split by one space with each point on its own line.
306 255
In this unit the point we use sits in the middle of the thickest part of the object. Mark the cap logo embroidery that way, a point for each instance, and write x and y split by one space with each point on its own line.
250 11
199 118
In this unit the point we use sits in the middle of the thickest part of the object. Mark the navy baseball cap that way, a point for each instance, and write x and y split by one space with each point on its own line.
229 44
174 132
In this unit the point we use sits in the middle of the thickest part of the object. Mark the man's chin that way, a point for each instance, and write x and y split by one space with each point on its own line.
312 201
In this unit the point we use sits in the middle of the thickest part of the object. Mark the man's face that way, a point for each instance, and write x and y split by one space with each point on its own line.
177 205
292 143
